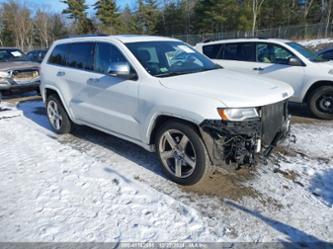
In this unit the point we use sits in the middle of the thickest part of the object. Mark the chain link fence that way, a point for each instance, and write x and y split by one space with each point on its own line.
297 32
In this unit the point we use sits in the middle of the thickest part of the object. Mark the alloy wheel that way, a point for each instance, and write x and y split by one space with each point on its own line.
54 115
177 153
325 103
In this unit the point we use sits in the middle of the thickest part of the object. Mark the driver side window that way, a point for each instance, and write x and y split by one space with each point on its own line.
106 54
274 54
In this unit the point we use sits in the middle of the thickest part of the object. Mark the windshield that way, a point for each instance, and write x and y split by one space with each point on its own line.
170 58
36 56
11 55
306 52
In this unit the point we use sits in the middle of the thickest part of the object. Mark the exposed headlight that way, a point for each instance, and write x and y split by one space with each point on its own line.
3 77
237 114
331 71
4 74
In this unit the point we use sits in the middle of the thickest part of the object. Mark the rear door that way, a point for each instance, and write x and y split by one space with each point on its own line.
76 75
240 57
56 71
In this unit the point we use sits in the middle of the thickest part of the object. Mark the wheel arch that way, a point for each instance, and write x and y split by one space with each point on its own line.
51 90
315 86
161 119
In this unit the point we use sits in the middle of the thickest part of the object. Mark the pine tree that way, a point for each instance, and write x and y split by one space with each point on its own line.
107 14
222 15
127 21
77 10
147 15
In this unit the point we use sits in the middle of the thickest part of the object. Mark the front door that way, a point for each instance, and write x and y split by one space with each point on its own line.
273 61
110 102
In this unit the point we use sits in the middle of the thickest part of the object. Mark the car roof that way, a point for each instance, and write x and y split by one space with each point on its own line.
142 38
9 48
274 40
37 51
121 38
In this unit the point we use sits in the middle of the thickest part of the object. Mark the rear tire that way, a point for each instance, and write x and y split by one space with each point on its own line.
57 115
321 102
182 153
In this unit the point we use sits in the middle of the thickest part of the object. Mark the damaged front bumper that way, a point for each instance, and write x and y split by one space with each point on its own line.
21 79
242 143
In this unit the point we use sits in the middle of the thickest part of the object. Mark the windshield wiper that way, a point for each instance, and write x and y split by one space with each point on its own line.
169 74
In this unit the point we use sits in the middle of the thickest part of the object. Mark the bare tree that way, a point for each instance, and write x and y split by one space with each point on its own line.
328 8
256 7
18 20
307 8
43 26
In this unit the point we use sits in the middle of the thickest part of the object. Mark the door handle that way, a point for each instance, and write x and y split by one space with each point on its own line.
258 69
61 73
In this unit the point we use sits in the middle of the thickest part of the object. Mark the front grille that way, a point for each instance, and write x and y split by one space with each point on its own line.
25 75
273 116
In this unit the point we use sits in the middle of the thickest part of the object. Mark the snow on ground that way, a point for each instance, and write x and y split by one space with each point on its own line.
51 192
315 139
317 43
89 186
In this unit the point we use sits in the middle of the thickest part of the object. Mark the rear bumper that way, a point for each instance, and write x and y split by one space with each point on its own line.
242 143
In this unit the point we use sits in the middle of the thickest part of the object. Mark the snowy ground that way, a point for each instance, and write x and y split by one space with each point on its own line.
89 186
317 44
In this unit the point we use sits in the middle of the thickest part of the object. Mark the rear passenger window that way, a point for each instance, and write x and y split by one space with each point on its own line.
246 52
212 51
240 51
58 56
230 52
82 56
106 55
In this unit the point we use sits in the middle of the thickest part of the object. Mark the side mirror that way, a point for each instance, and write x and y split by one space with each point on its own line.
121 69
293 61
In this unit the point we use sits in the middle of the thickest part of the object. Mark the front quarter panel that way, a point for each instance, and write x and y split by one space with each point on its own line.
156 100
314 73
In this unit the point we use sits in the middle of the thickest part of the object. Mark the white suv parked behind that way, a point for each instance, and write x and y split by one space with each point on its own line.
166 97
310 75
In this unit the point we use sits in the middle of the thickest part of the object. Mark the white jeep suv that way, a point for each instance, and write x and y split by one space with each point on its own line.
310 75
166 97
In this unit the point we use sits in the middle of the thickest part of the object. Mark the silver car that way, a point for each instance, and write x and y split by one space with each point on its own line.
16 73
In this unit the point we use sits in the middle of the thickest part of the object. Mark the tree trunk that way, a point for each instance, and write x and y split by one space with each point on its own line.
328 19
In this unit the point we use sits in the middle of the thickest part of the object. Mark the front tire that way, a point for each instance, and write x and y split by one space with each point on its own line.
182 153
57 115
321 102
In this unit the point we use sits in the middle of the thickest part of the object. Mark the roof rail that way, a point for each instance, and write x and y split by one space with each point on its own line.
86 35
263 37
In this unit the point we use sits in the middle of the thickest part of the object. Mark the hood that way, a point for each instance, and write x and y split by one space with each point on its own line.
12 65
231 88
